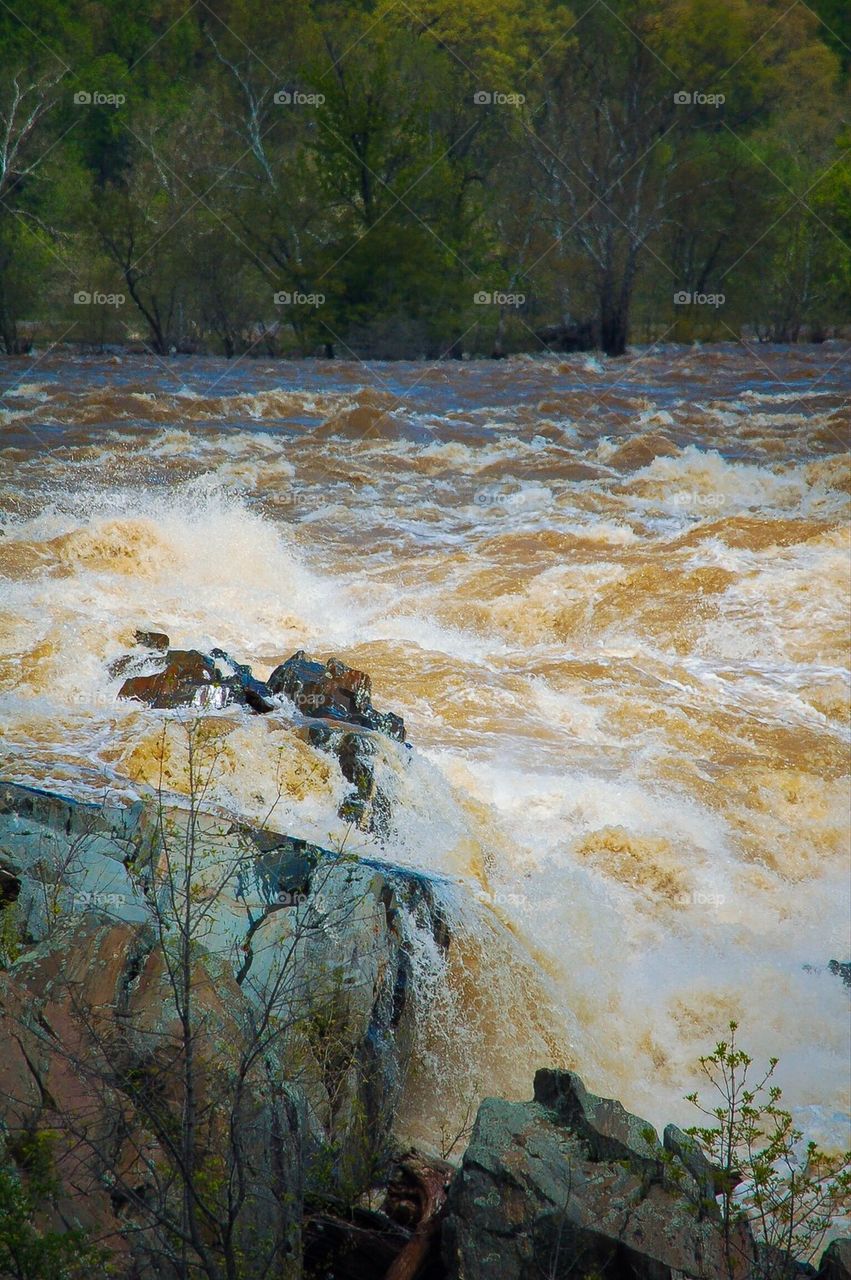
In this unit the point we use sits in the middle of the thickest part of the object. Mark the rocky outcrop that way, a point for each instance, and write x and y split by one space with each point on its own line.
60 856
341 696
571 1184
335 700
99 1069
836 1261
323 942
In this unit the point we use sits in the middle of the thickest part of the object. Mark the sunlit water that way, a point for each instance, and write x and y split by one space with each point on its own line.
611 602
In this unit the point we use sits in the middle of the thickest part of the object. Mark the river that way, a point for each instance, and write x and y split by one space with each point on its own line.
611 601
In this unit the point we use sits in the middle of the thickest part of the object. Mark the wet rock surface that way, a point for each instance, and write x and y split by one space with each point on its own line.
334 698
572 1184
328 688
330 691
193 679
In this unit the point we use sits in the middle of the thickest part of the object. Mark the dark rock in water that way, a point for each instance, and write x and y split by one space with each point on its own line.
567 336
188 679
152 640
836 1261
842 968
194 679
331 690
573 1185
257 693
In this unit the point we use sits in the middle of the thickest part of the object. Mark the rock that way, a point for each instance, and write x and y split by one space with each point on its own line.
331 691
400 1242
842 969
94 1058
152 640
59 856
331 942
193 679
775 1264
836 1261
692 1159
567 336
572 1185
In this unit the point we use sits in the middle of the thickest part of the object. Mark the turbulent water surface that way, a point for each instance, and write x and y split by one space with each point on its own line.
612 604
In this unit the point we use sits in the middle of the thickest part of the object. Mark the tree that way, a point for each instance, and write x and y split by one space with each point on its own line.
788 1190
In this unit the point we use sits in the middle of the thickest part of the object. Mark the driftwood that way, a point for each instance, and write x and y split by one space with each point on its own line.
416 1198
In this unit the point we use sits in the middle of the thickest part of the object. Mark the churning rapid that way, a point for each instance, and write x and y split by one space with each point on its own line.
611 602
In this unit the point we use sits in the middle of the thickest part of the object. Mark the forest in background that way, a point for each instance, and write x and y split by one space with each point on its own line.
415 178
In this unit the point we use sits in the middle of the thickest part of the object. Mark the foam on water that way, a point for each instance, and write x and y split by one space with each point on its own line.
620 650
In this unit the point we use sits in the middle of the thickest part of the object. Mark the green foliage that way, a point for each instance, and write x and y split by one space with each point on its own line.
30 1249
788 1189
10 934
338 151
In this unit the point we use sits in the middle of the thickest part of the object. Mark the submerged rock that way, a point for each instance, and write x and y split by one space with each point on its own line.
571 1184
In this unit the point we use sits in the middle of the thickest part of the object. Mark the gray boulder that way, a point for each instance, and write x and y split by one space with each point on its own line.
570 1185
836 1261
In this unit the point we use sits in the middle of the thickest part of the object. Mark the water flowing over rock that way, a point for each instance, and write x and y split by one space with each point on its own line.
193 679
571 1184
331 689
335 699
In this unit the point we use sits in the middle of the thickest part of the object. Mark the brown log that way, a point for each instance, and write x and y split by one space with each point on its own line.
416 1197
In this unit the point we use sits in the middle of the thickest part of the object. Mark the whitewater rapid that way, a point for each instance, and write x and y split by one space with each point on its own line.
612 604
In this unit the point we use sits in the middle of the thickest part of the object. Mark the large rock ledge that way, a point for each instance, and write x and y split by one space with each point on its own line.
567 1185
329 938
572 1185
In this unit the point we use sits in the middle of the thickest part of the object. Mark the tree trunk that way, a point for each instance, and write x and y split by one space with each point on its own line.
614 317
